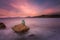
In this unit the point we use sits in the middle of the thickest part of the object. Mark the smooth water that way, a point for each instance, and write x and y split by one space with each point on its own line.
40 29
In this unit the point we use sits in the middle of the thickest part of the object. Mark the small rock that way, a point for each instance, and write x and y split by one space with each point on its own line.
2 26
31 35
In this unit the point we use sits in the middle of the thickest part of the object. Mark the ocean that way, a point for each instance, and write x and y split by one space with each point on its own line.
40 29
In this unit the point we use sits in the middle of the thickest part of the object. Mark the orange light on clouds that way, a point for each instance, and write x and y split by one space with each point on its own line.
49 11
26 9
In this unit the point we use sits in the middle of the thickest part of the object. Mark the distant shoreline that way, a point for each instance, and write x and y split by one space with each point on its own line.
42 17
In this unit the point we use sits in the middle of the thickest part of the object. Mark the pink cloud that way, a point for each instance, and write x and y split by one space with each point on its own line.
6 13
26 8
50 11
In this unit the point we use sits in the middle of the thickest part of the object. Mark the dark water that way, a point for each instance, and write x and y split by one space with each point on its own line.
40 29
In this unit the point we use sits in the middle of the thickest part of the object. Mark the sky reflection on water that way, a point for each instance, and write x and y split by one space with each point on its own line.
41 28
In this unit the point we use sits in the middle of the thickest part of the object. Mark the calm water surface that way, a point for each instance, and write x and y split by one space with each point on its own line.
40 28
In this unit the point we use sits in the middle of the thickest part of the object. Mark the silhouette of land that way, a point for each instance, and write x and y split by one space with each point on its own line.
54 15
48 16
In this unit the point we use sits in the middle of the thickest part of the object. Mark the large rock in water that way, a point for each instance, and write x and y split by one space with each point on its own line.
20 28
2 26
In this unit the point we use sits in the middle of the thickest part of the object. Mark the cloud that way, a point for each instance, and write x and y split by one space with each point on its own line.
26 8
5 4
50 11
10 8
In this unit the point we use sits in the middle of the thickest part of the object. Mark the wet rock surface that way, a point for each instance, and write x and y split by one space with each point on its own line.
20 28
2 26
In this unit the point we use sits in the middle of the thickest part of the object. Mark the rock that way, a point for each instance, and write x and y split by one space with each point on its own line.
20 28
31 35
2 26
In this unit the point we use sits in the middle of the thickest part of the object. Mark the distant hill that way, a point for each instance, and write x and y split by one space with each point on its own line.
47 16
53 15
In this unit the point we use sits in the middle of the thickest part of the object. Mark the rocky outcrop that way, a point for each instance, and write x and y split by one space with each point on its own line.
20 28
2 26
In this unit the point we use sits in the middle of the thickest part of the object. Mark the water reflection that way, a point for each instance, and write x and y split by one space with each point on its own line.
40 29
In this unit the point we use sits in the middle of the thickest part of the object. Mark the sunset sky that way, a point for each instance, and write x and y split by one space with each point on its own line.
22 8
